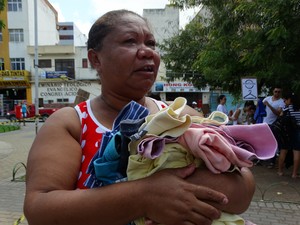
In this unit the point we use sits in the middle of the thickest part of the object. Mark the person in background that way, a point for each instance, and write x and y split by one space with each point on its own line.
24 111
250 114
195 106
121 48
292 140
222 104
243 115
274 105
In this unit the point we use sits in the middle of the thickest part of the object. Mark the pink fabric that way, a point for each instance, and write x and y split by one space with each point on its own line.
257 139
250 141
152 146
210 146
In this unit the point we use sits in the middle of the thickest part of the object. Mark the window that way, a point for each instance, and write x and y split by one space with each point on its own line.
17 63
65 65
14 5
66 27
66 37
16 35
44 63
60 100
2 64
84 63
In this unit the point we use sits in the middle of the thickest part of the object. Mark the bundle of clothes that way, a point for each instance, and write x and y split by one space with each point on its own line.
141 144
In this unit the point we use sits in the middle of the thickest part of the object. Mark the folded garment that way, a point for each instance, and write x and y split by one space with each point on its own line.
257 139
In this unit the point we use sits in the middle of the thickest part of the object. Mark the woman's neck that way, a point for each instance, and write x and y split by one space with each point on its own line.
116 105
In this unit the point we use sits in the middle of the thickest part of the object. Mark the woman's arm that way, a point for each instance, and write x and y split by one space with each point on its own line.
52 198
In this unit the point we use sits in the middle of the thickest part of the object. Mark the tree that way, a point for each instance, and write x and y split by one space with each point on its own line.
2 5
239 38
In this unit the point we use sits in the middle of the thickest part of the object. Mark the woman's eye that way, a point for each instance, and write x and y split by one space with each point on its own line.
130 41
151 44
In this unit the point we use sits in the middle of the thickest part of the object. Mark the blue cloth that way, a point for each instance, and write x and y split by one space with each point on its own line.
132 111
106 167
260 112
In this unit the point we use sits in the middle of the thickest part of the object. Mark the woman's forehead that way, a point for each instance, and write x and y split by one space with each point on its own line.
132 21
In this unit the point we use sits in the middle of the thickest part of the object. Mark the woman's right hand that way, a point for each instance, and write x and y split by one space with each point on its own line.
171 200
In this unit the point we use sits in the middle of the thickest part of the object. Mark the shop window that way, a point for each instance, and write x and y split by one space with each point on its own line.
84 63
17 63
65 65
16 35
14 5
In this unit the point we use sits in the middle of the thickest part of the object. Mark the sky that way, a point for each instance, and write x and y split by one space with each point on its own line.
84 12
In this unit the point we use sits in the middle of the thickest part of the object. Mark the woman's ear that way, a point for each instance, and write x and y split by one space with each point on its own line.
94 60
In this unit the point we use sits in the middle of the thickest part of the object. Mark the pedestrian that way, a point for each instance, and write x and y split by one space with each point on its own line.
121 48
291 137
274 105
24 111
222 104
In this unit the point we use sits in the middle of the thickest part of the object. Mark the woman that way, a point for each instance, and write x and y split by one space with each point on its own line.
222 104
291 139
121 48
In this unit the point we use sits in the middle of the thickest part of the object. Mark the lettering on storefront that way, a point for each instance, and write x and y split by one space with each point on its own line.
60 89
13 73
15 83
12 78
176 87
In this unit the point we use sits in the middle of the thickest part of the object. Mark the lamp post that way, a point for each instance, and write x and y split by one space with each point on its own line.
36 63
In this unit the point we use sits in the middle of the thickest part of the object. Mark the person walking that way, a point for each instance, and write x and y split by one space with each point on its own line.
24 111
222 104
291 139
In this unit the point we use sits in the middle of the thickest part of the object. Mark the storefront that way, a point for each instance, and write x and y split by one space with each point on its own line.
168 91
14 87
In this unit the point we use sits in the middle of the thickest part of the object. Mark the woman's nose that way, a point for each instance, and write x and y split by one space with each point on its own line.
145 52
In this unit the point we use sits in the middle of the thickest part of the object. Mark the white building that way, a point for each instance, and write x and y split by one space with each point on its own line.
165 23
62 56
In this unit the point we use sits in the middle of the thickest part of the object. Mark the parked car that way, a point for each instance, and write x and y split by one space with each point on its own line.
44 113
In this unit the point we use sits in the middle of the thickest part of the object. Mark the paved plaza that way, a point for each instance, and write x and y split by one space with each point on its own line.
276 200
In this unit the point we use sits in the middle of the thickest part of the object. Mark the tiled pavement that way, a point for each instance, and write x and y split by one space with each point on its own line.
276 200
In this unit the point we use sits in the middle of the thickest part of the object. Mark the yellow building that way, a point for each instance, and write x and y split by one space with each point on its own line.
12 82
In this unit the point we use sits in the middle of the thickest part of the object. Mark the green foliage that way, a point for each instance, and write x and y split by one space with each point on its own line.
240 38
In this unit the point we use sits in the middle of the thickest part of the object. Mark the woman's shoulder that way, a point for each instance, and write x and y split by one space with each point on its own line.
65 119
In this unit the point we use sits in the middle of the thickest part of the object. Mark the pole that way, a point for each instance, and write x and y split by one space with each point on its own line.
36 63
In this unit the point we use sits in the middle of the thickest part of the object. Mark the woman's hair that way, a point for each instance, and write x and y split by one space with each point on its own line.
220 98
104 25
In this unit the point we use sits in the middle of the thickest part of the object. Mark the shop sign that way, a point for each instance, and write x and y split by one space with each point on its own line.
54 75
14 75
61 89
14 83
176 87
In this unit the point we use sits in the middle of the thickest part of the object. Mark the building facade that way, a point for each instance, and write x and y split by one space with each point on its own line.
165 24
63 67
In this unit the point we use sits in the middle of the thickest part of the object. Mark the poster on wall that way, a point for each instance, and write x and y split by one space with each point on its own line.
249 89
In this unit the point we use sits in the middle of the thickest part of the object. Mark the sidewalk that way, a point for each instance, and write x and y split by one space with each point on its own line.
276 200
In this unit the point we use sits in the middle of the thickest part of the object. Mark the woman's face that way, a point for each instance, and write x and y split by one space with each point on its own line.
128 62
